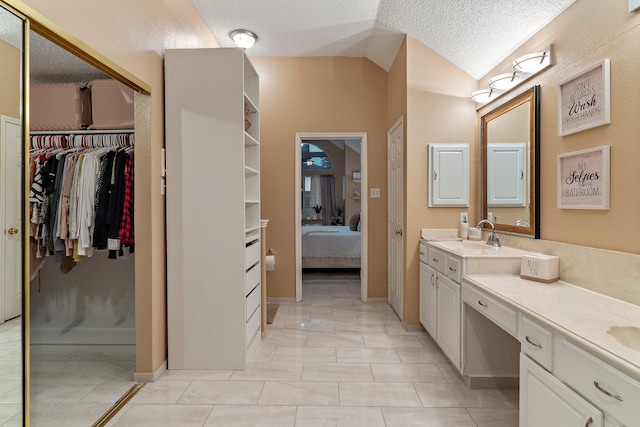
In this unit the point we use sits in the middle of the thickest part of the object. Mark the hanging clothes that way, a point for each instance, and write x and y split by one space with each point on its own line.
81 195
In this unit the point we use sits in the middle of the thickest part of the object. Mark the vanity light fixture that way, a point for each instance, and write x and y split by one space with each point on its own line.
524 67
483 96
532 62
505 81
243 38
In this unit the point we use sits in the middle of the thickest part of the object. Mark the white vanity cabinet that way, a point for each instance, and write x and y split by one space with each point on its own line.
440 275
546 401
571 372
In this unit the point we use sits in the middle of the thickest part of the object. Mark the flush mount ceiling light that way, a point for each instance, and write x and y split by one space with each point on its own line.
505 81
483 96
532 62
243 38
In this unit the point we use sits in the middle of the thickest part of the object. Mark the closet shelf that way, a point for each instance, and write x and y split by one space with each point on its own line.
250 171
252 106
249 140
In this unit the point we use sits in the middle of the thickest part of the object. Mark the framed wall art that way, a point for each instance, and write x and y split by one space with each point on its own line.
584 100
583 179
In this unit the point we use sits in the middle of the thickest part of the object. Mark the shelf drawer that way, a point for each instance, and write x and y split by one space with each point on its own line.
253 326
593 379
251 254
537 343
252 278
437 259
501 314
454 269
253 301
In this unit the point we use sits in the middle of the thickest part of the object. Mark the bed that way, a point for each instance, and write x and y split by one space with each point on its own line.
330 246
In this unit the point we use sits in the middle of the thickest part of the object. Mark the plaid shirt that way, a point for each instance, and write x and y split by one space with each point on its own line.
125 235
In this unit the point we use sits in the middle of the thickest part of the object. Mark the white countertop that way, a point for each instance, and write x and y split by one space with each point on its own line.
590 318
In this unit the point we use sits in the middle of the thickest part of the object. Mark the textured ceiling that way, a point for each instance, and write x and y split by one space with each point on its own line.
475 35
49 63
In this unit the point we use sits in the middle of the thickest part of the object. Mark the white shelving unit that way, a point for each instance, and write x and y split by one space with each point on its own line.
213 208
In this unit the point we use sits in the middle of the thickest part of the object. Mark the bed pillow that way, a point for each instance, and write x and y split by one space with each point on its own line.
354 221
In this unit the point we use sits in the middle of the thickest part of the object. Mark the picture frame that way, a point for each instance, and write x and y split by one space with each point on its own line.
584 179
584 100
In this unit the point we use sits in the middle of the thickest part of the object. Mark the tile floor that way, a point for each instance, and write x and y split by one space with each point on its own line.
70 385
11 373
328 361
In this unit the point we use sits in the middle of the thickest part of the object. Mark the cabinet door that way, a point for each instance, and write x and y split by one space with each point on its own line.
448 318
428 298
546 401
448 175
507 174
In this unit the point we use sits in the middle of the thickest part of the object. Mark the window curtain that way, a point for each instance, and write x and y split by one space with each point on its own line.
315 194
328 198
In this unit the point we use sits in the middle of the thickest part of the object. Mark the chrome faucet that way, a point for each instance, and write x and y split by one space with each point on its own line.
492 240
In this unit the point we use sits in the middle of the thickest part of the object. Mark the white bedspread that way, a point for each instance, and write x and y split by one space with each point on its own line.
330 241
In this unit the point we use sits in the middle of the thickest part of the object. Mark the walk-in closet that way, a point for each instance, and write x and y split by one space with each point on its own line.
82 245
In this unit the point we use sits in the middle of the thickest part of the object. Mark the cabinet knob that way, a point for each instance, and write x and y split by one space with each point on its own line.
12 231
452 269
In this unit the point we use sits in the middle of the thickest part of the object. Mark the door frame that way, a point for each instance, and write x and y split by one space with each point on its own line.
300 136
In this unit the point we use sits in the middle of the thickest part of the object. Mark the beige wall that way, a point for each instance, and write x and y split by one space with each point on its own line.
134 35
10 80
438 111
319 94
598 30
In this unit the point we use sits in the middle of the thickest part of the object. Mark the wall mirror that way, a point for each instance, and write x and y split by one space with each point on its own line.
12 36
510 151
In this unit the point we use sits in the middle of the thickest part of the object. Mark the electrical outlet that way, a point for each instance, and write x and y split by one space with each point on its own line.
464 217
490 216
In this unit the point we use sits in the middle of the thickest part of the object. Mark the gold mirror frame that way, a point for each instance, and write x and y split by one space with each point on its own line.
56 34
533 97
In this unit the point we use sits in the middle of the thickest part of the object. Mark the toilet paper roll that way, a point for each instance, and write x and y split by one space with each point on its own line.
271 262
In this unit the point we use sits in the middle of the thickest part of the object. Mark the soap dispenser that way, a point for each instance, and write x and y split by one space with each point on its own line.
464 229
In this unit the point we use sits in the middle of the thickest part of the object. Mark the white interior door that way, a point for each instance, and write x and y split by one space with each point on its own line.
10 218
395 142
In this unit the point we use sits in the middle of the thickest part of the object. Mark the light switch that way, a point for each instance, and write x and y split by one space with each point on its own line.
375 193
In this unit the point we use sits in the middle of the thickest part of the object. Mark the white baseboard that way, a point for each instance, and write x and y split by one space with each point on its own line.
150 377
83 336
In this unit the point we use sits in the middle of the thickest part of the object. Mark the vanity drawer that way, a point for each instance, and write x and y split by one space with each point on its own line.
454 268
537 343
437 259
501 314
610 390
423 253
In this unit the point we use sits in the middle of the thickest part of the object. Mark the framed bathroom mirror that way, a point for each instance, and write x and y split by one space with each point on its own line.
510 152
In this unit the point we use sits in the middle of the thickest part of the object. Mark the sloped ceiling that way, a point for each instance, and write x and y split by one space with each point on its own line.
475 35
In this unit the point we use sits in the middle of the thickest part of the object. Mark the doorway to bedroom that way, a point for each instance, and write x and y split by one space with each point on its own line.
331 211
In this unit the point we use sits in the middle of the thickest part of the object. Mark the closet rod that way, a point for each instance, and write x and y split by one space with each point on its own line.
80 132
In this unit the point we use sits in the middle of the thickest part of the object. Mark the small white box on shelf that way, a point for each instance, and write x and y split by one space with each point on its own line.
540 267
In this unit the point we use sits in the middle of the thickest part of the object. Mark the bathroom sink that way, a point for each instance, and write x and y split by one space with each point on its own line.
479 249
629 336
